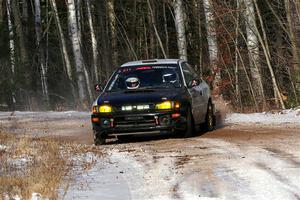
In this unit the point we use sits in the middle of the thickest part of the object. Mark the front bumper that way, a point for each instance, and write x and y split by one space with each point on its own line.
125 123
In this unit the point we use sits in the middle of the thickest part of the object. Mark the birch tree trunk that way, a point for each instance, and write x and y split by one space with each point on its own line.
19 30
94 41
166 29
40 46
236 69
212 44
253 52
63 45
1 12
78 18
25 18
180 28
113 31
293 28
74 37
11 48
266 49
155 30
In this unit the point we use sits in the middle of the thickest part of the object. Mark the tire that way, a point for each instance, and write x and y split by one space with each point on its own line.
99 138
210 118
189 124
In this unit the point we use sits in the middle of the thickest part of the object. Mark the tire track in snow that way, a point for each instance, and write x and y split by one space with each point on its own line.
274 171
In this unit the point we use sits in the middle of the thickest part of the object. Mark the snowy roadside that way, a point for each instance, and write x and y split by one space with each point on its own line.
290 116
196 168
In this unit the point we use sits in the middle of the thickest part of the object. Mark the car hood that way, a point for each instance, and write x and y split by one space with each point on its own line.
139 96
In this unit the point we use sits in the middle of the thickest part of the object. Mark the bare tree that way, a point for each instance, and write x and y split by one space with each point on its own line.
1 12
40 47
113 31
293 23
79 65
155 29
212 44
180 28
94 41
11 46
19 30
253 52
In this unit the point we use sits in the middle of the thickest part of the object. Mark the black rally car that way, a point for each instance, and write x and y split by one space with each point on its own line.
152 96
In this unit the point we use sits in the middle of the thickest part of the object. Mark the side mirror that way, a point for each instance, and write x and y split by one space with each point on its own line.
193 83
98 88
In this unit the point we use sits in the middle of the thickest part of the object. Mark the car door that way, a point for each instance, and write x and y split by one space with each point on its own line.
196 92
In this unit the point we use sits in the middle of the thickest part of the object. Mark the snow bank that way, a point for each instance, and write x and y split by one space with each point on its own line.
291 116
43 115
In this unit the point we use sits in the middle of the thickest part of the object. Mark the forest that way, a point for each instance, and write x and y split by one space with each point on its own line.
52 52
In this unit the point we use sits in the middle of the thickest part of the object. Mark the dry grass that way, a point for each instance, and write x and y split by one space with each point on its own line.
38 165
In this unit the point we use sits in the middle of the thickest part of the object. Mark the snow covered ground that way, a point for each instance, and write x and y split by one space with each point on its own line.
239 161
291 116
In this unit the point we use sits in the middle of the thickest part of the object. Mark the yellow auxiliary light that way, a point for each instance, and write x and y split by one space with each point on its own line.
105 109
164 105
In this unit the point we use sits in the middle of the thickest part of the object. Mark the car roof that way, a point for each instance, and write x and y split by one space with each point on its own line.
153 61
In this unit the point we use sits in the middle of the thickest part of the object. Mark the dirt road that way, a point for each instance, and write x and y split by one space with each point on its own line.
252 161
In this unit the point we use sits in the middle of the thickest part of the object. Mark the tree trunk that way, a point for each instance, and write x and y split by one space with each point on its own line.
198 11
1 12
180 28
78 18
11 48
63 45
94 41
40 46
74 37
212 45
293 29
113 31
253 52
19 30
151 36
166 30
266 49
155 29
25 19
236 69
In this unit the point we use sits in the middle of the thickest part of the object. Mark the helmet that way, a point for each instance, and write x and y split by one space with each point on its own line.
169 78
132 83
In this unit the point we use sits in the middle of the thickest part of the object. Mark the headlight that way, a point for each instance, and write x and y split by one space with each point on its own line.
105 109
167 105
102 109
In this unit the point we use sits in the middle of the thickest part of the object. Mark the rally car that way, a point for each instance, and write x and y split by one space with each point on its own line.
152 96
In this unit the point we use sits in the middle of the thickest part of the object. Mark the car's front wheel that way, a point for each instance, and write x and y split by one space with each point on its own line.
99 137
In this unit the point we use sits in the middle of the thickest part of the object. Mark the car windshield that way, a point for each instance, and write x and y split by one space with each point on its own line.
145 77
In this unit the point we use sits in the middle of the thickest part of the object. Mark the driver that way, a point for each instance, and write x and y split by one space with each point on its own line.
169 78
132 83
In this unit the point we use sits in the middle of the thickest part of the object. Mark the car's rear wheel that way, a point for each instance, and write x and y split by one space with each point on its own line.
99 138
210 118
189 124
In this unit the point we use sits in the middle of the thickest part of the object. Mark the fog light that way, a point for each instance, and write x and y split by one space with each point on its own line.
175 115
95 120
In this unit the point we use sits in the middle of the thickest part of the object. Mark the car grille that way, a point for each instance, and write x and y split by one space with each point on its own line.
134 121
